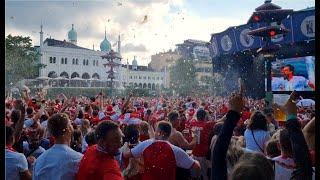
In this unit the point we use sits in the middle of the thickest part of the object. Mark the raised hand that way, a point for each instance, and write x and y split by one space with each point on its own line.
236 103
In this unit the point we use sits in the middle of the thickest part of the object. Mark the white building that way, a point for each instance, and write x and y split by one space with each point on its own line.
79 66
67 64
143 76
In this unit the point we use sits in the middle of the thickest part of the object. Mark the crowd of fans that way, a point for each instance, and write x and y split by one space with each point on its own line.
167 138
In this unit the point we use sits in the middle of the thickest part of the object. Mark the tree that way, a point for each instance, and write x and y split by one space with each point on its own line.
22 61
183 77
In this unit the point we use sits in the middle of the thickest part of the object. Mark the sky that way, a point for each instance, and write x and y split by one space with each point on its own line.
146 27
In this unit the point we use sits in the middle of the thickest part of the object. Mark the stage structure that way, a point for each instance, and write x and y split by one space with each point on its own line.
275 33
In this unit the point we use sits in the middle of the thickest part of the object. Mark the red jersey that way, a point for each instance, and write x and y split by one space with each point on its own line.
202 148
95 120
98 165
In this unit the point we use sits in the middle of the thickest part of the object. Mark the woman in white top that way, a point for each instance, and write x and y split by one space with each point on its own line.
256 134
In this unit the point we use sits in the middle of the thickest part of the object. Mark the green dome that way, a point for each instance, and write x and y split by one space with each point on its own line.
105 44
72 35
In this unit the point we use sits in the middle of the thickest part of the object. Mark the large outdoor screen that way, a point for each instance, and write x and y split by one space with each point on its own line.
293 74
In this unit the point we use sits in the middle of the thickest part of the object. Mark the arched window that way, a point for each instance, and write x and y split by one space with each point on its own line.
73 75
149 85
85 76
95 76
54 60
144 85
50 60
64 74
94 62
153 86
140 85
84 62
65 61
52 74
87 62
62 61
97 63
77 61
73 61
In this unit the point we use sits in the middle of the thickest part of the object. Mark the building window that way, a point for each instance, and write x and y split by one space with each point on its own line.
97 63
139 77
73 61
54 60
65 61
130 77
77 61
161 78
94 62
84 62
87 62
50 60
62 61
148 77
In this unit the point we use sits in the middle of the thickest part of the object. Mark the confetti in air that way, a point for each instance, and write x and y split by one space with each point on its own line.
145 19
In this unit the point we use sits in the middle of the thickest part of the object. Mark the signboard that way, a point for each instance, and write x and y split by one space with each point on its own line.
235 39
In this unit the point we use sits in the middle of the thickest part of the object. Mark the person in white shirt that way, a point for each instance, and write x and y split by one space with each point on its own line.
161 157
60 162
256 135
298 83
16 163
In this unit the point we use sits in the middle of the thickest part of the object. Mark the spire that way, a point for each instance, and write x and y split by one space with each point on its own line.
105 33
41 36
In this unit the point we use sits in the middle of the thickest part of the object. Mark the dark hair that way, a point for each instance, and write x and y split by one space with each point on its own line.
86 108
272 149
90 138
284 139
15 116
165 127
253 166
104 128
43 118
80 115
9 134
76 141
95 112
131 134
29 110
173 116
57 124
148 111
290 67
93 99
201 114
258 121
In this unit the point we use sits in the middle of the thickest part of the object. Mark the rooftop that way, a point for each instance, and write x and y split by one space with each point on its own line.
139 68
64 44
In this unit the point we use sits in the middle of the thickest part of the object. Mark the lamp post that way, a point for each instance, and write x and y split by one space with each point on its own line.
111 56
269 14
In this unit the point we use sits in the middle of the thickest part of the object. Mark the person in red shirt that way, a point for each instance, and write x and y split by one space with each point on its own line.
201 148
98 162
95 118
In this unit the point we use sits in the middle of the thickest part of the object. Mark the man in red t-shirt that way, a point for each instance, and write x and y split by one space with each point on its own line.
98 162
201 148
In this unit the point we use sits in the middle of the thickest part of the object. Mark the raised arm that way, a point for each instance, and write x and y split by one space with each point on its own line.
126 104
19 125
300 149
219 166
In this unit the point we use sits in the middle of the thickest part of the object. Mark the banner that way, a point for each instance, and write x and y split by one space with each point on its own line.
301 26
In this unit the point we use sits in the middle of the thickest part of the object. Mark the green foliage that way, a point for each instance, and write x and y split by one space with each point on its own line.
21 59
183 77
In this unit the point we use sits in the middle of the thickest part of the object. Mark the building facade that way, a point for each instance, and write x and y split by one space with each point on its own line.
69 65
142 77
